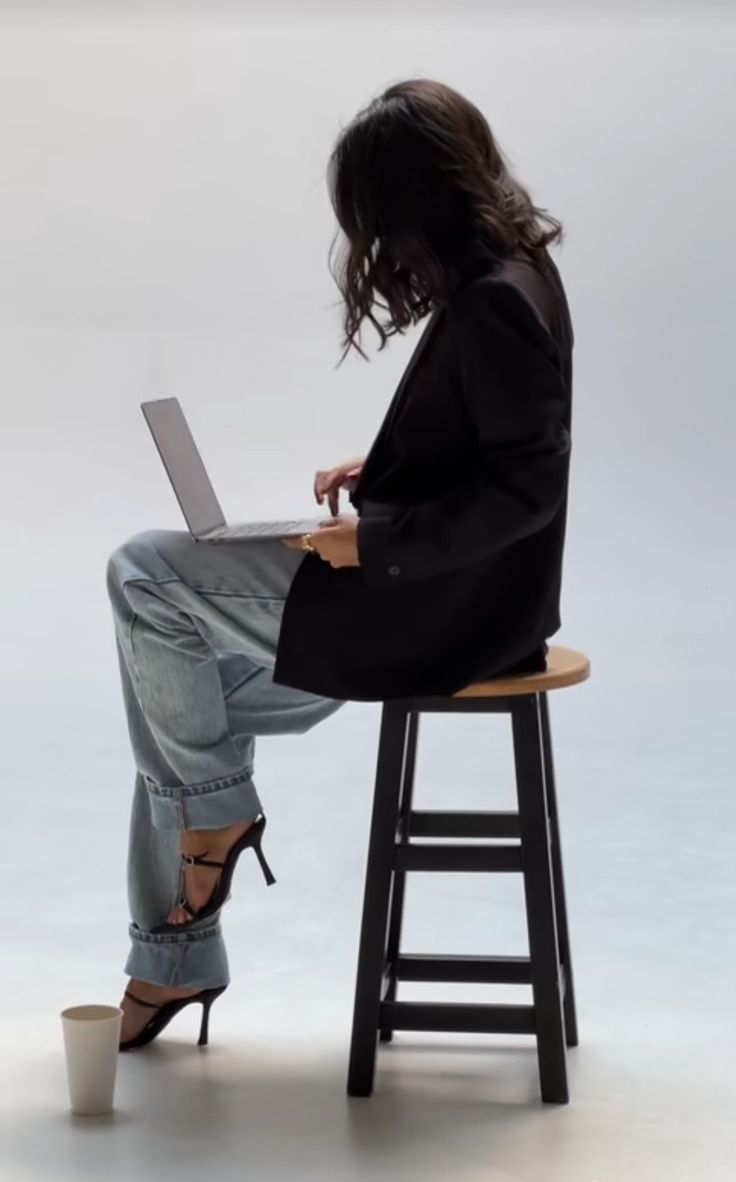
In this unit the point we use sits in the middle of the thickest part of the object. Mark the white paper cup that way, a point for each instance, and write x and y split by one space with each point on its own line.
91 1042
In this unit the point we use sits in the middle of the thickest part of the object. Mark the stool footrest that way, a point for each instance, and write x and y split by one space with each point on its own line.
450 1016
489 970
458 858
435 823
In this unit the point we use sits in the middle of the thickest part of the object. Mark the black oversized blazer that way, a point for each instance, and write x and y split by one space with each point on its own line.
462 503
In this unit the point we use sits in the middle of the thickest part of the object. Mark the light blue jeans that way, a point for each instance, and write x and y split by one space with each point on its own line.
197 627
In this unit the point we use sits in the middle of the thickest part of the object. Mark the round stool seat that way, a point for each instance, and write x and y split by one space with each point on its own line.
564 667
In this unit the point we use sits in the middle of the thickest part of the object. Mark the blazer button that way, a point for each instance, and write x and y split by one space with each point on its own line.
394 570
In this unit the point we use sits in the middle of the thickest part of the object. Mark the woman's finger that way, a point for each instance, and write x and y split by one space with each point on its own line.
323 482
329 523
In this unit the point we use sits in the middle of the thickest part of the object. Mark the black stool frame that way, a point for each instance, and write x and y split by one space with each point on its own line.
535 853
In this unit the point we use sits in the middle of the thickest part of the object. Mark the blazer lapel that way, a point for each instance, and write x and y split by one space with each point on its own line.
410 367
401 390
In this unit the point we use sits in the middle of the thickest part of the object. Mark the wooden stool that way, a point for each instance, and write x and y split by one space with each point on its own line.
536 854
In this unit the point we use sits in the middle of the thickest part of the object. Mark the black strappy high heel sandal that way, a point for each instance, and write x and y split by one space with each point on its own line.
221 893
166 1011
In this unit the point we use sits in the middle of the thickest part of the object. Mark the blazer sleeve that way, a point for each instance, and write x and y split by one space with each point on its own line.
518 406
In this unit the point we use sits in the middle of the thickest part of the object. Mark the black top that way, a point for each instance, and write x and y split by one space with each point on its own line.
462 504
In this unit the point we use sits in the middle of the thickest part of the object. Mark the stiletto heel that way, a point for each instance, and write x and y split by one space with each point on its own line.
221 893
204 1030
267 873
166 1011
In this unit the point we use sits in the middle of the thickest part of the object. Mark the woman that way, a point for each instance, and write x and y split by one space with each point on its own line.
450 571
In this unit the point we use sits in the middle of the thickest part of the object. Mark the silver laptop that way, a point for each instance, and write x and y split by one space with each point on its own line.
192 485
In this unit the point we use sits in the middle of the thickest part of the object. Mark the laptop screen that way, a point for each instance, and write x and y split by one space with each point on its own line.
184 465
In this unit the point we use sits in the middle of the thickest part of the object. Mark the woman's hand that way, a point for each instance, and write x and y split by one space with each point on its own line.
328 483
335 541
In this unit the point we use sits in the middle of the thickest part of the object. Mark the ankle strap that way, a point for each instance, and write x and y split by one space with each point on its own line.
199 860
151 1004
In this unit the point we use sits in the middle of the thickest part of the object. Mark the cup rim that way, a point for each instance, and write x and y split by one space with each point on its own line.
91 1013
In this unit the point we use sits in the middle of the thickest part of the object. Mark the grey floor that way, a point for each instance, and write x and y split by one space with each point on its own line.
649 872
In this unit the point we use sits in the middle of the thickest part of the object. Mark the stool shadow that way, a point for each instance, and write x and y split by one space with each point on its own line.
277 1114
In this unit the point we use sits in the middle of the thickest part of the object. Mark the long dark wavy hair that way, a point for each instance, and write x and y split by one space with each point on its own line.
419 185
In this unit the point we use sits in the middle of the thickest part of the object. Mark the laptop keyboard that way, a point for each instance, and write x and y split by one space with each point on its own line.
255 529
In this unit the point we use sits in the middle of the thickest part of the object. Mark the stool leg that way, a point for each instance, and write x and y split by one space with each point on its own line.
380 862
540 902
571 1024
399 880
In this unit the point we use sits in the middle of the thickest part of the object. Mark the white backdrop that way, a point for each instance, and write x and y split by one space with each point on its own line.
164 230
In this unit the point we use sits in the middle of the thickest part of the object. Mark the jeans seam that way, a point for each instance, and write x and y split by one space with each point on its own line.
241 595
172 937
205 590
178 792
131 643
141 579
